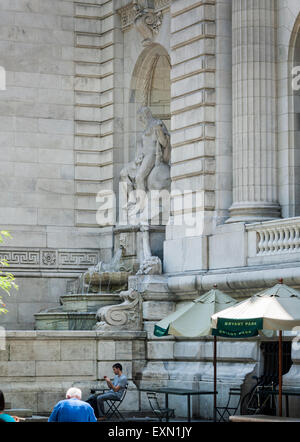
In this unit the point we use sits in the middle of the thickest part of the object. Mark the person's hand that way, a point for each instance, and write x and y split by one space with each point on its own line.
107 378
16 418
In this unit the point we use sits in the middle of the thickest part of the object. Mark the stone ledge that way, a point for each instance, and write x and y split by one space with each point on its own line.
239 278
75 334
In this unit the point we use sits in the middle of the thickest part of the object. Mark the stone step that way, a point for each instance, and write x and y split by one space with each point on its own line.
20 412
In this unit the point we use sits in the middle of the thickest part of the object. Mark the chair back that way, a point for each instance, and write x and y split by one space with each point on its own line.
154 404
124 393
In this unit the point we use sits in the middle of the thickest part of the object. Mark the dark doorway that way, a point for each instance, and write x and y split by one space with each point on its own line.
270 352
270 375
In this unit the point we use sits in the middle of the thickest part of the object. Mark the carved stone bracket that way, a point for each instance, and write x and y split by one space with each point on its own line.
147 19
124 316
147 22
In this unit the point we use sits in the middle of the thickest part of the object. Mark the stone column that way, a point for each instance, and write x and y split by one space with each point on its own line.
254 111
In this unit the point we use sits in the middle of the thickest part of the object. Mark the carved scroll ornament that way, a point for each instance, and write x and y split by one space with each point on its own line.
147 22
124 316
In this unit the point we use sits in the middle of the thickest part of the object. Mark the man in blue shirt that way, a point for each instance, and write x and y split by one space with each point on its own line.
116 390
72 409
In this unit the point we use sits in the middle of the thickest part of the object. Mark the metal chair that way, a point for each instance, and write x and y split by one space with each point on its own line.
232 405
113 404
160 413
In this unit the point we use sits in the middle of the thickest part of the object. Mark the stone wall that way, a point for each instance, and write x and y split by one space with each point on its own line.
193 131
37 114
56 144
37 368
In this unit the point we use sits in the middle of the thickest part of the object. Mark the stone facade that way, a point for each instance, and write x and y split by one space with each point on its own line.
218 73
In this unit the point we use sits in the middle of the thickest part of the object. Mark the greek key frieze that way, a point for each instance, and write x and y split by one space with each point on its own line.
78 258
23 257
50 258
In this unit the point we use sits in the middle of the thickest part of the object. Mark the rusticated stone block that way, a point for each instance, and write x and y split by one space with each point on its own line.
157 310
65 368
85 350
106 351
160 350
17 368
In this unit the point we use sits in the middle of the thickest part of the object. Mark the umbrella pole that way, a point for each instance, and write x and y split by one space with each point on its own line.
215 378
280 372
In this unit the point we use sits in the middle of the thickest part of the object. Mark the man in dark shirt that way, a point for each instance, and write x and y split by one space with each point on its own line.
72 409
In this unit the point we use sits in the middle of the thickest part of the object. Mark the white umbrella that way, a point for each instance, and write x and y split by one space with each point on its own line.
276 308
194 320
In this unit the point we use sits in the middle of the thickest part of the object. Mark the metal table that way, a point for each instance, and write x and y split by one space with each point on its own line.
180 392
286 392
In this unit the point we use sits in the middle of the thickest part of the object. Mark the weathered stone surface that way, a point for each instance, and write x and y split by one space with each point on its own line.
84 350
157 310
65 368
160 350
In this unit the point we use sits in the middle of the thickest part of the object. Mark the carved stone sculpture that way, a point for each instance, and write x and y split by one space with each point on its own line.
151 265
150 169
124 316
147 22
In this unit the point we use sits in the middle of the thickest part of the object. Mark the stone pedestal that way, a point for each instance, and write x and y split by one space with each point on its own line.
254 111
130 238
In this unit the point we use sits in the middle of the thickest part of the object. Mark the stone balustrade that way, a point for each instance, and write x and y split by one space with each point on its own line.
269 240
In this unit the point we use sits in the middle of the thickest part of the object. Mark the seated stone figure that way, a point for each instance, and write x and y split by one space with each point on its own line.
150 169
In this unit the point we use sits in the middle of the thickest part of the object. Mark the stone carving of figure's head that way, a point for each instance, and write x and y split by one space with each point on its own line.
145 115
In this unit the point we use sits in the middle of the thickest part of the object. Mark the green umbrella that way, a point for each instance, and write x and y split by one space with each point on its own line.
194 320
276 308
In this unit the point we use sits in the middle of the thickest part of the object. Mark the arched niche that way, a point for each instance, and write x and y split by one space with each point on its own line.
150 86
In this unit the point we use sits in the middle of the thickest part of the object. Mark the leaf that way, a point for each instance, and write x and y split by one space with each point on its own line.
6 233
7 280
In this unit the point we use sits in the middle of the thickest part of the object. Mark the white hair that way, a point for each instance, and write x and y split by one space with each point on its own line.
74 392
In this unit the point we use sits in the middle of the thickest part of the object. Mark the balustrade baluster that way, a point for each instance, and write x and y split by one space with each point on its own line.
286 239
297 239
260 238
265 243
291 243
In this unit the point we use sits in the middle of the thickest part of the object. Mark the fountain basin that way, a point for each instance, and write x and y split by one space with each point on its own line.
106 280
59 320
78 312
88 302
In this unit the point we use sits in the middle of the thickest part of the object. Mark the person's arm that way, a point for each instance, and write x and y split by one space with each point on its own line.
111 385
18 419
92 417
